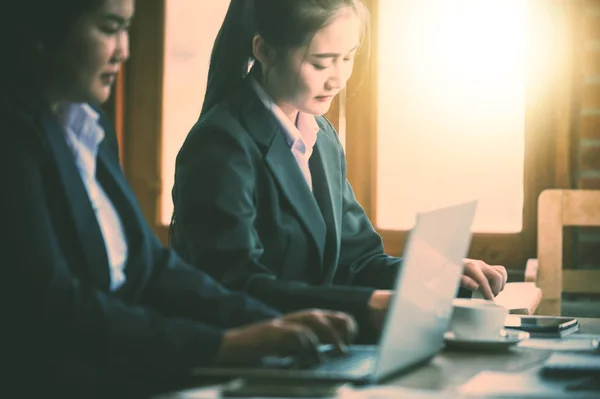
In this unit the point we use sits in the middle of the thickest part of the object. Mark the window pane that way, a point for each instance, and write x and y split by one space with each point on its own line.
190 30
451 110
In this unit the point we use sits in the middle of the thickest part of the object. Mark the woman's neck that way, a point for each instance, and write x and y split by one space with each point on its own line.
289 110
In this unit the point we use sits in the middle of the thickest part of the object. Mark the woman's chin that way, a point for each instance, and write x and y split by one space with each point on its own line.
319 107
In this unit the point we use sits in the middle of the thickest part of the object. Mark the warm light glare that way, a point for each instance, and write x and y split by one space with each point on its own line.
451 110
191 28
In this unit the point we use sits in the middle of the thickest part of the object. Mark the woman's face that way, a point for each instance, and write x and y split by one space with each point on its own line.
314 74
89 60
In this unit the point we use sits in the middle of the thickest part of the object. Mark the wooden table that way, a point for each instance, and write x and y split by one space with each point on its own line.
450 369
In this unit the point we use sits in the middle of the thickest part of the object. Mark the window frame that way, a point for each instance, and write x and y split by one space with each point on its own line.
142 144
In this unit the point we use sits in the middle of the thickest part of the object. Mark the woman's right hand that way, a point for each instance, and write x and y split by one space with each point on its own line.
297 334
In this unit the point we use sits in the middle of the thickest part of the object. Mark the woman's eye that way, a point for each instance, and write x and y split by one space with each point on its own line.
110 30
114 29
319 67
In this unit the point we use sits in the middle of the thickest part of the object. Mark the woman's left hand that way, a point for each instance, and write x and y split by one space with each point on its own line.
490 280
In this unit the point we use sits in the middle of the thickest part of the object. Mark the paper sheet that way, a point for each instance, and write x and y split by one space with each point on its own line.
529 384
390 392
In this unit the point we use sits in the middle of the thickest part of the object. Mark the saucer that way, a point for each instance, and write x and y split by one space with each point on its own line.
503 341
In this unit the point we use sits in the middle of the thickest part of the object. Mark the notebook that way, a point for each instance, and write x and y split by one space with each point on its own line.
562 364
517 297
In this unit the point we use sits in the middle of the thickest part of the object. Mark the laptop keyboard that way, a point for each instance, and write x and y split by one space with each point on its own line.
360 361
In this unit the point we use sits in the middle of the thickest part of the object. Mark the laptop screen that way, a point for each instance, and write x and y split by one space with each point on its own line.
425 286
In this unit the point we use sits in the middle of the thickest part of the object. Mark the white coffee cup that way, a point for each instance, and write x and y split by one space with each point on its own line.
477 319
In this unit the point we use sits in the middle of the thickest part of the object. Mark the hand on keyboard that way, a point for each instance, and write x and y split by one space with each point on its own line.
298 335
335 328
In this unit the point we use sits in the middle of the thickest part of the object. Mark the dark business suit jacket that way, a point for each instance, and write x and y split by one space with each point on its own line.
244 214
58 309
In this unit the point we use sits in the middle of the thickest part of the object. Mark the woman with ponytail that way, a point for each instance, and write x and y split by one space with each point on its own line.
261 198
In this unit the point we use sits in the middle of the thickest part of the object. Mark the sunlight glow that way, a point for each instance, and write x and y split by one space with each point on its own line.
451 110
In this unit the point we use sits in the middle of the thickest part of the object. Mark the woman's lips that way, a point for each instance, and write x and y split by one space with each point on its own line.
323 98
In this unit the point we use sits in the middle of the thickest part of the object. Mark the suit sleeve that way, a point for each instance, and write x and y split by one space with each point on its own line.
60 315
214 229
177 289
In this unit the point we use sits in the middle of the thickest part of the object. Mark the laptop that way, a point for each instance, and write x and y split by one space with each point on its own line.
418 316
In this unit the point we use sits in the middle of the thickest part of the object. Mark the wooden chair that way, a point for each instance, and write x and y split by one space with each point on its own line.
557 209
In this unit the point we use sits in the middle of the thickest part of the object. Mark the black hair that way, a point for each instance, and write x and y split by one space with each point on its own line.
283 24
32 32
31 35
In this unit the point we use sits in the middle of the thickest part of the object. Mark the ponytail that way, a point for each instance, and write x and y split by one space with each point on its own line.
231 54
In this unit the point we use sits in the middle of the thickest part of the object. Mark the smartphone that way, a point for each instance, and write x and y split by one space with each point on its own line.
543 325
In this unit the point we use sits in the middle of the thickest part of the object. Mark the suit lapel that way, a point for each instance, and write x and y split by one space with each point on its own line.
86 224
116 188
325 170
266 130
287 173
109 175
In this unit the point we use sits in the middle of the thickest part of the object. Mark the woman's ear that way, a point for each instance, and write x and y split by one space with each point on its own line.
262 52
